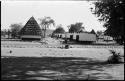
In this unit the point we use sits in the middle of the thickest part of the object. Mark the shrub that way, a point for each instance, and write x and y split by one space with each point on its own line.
67 46
115 58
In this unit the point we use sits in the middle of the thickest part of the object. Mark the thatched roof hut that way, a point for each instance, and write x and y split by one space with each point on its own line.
31 30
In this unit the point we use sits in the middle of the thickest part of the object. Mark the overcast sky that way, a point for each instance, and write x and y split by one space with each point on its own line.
63 12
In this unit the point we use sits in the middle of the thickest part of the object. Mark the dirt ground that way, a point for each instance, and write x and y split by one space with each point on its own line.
29 61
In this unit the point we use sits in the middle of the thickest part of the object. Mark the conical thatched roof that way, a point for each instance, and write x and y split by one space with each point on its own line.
31 28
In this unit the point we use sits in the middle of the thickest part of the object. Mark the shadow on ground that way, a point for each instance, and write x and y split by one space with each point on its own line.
52 68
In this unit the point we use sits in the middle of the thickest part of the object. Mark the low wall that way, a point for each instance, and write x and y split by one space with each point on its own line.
31 36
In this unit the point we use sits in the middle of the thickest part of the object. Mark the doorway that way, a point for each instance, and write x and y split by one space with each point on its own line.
77 38
71 37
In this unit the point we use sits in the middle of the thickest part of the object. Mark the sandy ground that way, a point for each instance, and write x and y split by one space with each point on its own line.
31 49
95 53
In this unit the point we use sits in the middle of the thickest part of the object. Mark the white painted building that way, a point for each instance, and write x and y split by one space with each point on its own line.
105 38
78 36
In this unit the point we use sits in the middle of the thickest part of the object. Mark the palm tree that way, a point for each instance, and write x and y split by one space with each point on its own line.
68 27
45 23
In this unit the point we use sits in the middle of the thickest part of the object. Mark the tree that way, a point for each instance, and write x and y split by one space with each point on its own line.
99 33
15 29
75 27
68 27
9 33
45 23
3 33
93 32
59 29
111 12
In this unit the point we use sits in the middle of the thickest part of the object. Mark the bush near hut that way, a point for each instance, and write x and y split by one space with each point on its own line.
66 46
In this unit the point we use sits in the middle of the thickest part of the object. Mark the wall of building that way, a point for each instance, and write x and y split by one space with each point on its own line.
82 36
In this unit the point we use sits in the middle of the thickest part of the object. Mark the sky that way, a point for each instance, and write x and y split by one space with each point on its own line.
63 12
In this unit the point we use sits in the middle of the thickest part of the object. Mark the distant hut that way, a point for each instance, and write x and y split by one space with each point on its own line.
31 30
82 30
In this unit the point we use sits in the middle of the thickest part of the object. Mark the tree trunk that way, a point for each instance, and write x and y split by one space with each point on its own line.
8 34
45 32
122 40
